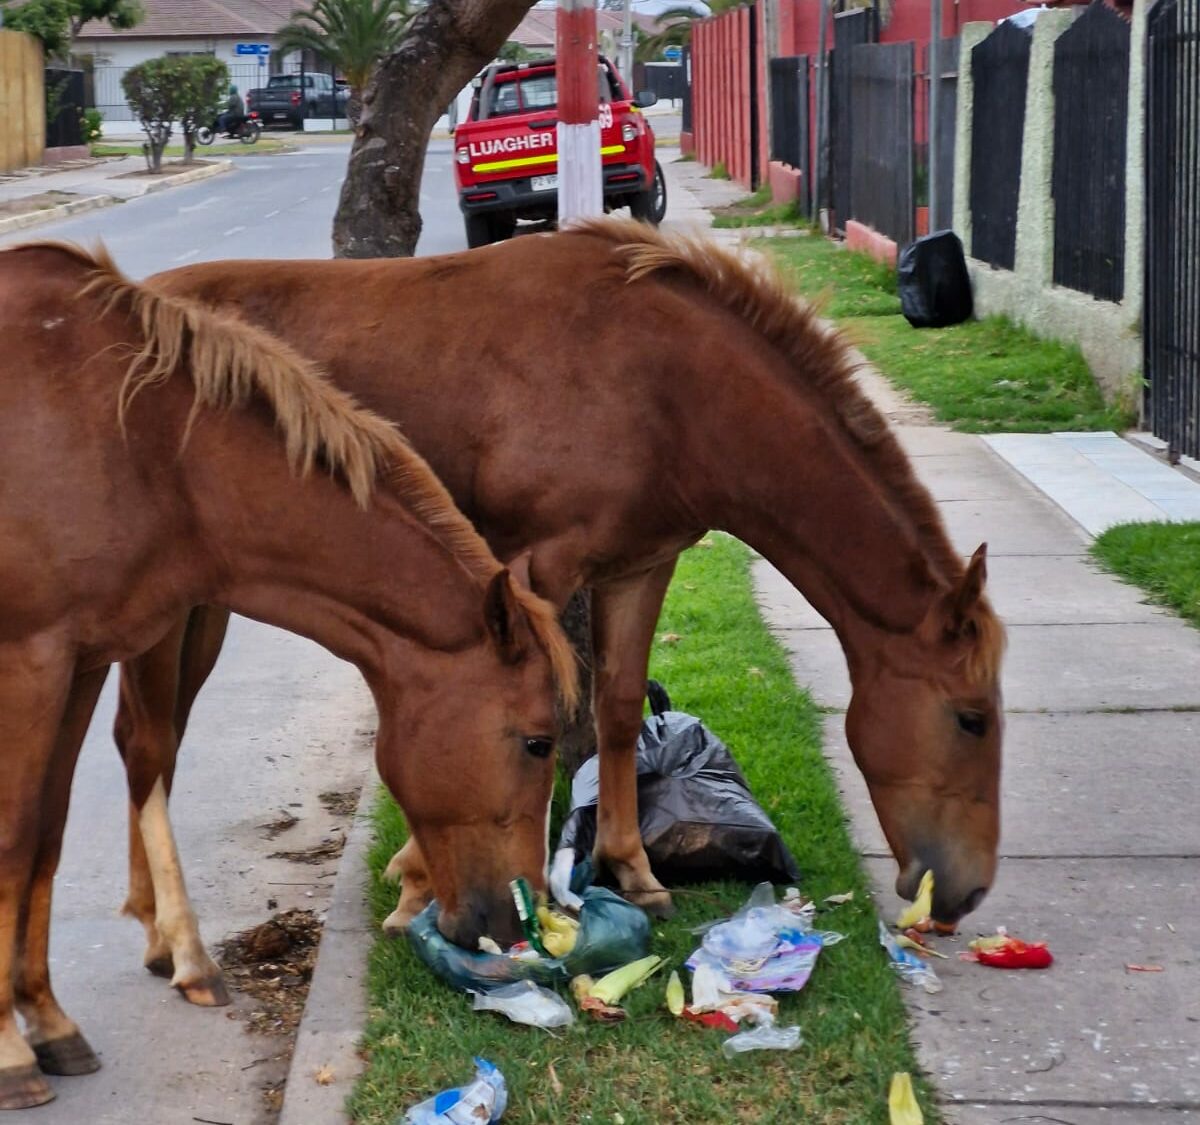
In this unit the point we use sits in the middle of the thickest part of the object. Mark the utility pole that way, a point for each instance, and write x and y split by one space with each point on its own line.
627 45
580 191
936 219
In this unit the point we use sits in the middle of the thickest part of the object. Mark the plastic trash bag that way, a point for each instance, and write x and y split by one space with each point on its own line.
764 1037
612 933
935 288
484 1099
697 816
908 965
528 1003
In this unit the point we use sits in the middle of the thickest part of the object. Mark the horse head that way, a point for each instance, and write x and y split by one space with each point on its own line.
468 754
925 727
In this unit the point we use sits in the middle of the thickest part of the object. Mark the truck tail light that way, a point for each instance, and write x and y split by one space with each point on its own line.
462 155
629 132
296 97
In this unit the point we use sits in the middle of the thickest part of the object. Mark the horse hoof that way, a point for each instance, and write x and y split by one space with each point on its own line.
209 993
161 965
394 870
657 904
22 1087
70 1055
396 924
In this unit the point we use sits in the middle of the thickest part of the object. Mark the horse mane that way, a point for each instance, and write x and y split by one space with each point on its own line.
821 361
231 362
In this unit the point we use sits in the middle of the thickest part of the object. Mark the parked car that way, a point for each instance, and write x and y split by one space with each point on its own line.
285 100
506 151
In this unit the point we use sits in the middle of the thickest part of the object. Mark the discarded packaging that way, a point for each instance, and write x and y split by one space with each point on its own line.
718 1020
697 816
528 1003
910 967
921 907
612 932
765 1037
481 1102
675 994
902 1102
1001 951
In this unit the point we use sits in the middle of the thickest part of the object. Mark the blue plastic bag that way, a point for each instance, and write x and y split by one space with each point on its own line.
465 1105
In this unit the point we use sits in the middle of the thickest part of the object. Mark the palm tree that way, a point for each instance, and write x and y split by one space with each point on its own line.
353 35
676 24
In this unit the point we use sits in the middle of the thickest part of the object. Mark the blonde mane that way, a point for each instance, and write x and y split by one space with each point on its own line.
231 363
820 361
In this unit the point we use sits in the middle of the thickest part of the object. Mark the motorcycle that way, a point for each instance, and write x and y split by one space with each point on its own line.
247 132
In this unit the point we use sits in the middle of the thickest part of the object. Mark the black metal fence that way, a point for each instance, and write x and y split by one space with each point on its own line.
64 107
1091 91
942 137
850 29
999 72
665 79
789 116
1171 319
881 138
686 108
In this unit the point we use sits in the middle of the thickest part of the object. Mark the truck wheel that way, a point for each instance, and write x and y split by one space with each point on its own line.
651 205
479 230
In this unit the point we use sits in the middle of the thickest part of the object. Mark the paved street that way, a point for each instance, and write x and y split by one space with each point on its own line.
280 723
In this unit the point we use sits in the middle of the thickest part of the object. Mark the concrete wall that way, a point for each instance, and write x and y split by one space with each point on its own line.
22 101
1107 332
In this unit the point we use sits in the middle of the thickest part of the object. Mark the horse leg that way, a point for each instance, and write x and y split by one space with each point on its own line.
35 682
54 1036
624 617
157 693
416 892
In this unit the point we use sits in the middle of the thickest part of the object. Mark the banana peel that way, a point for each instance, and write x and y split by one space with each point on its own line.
558 932
902 1102
921 907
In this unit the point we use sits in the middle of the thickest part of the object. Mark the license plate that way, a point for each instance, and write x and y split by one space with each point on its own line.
279 116
545 183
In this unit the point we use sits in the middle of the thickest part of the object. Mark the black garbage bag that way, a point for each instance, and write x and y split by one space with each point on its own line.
697 816
935 288
612 932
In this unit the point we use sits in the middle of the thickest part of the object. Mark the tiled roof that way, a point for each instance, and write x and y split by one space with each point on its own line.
170 18
537 28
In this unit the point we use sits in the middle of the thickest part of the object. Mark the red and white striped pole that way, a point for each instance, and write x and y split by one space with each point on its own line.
580 190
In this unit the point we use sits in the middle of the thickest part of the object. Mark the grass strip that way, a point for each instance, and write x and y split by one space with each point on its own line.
1162 558
717 660
261 147
984 376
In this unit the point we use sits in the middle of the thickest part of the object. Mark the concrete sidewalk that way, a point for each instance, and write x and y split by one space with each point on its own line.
1101 834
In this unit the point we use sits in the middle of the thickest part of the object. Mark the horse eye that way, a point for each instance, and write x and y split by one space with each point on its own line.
973 723
539 747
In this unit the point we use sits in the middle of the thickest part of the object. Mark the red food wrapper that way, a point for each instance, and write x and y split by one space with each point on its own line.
719 1020
1012 953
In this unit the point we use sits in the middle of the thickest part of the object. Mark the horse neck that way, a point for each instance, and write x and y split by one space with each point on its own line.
795 486
300 554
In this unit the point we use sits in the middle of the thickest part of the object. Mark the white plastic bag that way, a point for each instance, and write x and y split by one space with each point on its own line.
484 1099
765 1037
528 1003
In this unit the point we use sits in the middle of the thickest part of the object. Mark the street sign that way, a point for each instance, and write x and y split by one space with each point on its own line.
672 54
260 49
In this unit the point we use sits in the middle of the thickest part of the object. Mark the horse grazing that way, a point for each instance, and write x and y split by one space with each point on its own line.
600 398
131 491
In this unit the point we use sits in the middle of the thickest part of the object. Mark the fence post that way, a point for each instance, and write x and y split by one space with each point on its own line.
1135 168
971 36
1034 262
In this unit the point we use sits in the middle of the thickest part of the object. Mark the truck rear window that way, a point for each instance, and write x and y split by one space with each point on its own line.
524 95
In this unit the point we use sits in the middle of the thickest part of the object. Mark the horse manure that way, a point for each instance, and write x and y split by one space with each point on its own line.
329 848
340 803
275 828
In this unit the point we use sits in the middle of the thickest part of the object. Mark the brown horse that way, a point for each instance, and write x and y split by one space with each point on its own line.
601 398
128 495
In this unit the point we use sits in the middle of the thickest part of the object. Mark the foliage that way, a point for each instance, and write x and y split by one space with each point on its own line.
984 376
91 121
1162 558
676 24
353 35
514 52
721 664
46 20
719 171
120 15
183 88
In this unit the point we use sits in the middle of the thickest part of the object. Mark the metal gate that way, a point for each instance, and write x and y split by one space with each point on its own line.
789 116
943 132
850 29
881 141
1000 74
1091 106
1172 313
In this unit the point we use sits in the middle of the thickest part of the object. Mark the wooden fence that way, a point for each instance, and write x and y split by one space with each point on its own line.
22 101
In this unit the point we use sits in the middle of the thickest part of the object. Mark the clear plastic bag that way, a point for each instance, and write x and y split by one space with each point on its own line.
482 1100
525 1002
908 966
765 1037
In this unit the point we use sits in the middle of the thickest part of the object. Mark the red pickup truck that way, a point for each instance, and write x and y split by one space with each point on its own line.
506 158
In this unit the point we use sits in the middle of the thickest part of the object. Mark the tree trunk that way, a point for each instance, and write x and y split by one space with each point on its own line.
189 146
354 107
446 45
578 740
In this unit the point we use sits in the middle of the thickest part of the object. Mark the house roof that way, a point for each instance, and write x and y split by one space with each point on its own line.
537 28
166 19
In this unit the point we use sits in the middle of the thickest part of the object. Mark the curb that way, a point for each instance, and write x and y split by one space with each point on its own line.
182 178
335 1012
49 214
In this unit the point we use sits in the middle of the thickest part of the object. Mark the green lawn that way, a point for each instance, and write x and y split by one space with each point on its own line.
1162 558
262 147
758 210
726 667
984 376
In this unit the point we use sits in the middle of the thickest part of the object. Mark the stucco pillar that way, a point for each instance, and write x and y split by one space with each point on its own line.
971 36
1135 169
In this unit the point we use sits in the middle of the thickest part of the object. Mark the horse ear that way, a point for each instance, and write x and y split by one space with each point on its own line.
505 618
521 569
969 591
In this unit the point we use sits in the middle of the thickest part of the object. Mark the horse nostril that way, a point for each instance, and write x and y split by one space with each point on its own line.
973 900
